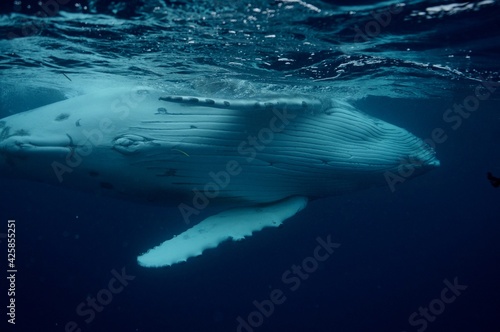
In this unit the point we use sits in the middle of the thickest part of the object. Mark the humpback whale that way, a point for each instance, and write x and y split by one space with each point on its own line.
263 159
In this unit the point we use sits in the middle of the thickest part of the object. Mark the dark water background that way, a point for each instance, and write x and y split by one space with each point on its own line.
396 247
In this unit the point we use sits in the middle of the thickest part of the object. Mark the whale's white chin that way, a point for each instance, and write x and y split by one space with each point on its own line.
191 151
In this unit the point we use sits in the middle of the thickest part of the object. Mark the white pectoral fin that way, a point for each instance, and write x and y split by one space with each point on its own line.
233 224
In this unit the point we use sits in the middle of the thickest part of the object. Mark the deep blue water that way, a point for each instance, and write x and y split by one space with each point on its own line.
408 67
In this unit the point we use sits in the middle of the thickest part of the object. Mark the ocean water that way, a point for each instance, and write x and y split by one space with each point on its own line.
421 256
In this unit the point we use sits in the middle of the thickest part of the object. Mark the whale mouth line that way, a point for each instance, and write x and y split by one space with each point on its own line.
26 145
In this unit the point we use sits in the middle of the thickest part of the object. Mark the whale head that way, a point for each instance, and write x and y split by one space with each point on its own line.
27 145
43 143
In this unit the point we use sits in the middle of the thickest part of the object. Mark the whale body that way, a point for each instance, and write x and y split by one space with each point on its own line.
265 158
